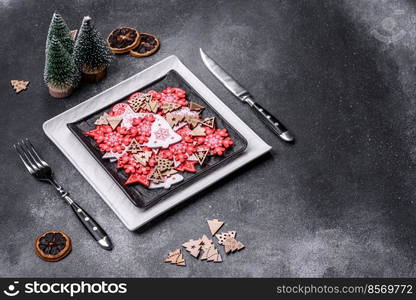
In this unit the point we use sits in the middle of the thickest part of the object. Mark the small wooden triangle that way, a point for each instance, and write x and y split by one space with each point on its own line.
19 85
114 121
155 176
201 155
214 225
198 131
218 258
195 106
169 106
210 122
102 120
173 256
143 157
133 147
180 261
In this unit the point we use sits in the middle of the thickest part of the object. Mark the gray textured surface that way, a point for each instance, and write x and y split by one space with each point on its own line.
338 203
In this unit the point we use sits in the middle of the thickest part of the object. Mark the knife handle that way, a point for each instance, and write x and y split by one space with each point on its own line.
272 122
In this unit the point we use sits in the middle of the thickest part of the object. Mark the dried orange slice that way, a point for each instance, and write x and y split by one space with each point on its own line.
149 44
123 39
53 245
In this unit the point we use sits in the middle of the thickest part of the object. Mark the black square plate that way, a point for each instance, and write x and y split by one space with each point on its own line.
138 194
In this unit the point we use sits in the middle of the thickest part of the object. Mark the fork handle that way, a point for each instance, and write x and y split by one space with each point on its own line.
91 225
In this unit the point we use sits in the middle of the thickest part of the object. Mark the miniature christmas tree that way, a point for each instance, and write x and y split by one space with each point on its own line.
91 53
60 30
61 74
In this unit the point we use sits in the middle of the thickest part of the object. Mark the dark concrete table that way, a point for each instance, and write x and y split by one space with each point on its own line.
338 203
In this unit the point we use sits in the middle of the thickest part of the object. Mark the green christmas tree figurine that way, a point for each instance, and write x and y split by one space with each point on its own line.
61 74
91 53
60 30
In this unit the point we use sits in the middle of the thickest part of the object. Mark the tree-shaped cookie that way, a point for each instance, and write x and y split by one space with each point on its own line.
156 176
91 53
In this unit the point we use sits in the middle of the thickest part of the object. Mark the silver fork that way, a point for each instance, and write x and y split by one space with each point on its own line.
43 172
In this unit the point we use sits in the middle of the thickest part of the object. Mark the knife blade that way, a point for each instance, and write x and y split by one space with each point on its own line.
242 94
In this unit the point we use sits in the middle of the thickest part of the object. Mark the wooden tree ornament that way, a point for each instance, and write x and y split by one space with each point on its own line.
114 121
214 225
175 257
164 164
193 247
198 131
201 155
134 147
195 106
102 120
143 157
174 118
169 106
156 176
19 85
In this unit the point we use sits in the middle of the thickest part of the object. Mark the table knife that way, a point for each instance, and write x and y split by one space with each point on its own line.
241 93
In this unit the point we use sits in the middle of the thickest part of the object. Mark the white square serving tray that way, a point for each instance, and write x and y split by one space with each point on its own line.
132 216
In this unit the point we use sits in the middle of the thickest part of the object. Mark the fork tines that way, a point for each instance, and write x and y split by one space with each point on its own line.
30 158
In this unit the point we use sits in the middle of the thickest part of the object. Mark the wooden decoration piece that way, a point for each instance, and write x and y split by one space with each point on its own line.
114 121
155 176
195 106
214 225
192 121
198 131
175 257
201 155
140 102
221 237
232 245
102 120
174 118
169 106
193 247
180 261
143 157
169 172
19 85
153 106
164 164
134 147
210 122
